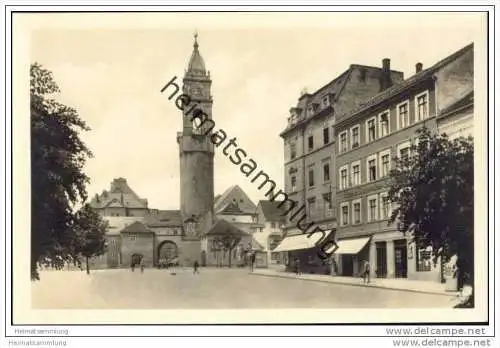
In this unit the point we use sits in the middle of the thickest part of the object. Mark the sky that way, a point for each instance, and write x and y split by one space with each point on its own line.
111 68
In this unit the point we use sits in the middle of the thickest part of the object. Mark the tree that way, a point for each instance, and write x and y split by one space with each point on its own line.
57 179
90 234
226 237
227 244
433 189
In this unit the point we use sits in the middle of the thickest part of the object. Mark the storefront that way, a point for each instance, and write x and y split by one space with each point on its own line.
390 255
350 256
305 251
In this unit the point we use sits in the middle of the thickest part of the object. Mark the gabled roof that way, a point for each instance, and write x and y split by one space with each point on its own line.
232 208
236 195
466 100
163 218
409 82
273 211
121 192
223 227
117 223
136 227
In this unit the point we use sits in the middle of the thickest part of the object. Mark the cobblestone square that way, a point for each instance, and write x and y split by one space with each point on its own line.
211 289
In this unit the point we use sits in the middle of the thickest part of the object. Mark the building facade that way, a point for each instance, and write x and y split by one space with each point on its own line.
271 221
458 119
309 145
368 139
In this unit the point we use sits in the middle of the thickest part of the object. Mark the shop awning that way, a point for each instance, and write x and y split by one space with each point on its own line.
350 246
301 241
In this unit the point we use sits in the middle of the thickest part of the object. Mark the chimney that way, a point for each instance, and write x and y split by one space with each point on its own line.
418 67
386 64
386 80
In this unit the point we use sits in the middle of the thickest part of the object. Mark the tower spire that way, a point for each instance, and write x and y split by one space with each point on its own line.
196 63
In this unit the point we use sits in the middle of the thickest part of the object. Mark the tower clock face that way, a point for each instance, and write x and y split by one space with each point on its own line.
195 91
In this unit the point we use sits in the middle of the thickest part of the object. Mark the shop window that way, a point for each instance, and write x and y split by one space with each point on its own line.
424 256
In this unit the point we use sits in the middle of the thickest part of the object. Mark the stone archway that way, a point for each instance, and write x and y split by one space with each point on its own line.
167 251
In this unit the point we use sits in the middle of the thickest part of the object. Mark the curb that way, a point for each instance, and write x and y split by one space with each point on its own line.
450 294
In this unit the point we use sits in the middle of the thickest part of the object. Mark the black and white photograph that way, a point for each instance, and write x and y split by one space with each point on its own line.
246 167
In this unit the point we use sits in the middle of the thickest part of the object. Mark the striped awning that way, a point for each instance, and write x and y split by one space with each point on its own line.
301 241
349 246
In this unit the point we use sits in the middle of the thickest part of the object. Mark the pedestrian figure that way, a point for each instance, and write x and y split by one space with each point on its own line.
252 261
195 267
142 265
132 266
366 272
297 266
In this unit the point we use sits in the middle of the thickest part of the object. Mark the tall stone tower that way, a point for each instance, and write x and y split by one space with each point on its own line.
196 151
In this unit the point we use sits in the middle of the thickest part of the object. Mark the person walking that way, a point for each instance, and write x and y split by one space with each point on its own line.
195 267
366 272
297 266
252 261
142 265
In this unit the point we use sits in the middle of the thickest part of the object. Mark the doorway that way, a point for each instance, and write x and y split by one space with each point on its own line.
203 258
136 259
400 259
381 271
347 265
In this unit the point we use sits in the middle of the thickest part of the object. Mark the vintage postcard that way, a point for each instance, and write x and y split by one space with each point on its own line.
250 167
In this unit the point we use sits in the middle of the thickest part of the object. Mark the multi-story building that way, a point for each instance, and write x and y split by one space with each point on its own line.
457 119
270 219
309 144
368 138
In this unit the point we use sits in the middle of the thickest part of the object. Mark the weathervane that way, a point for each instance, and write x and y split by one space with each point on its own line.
196 38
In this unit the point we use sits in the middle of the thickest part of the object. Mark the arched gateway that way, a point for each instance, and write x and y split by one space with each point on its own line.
167 251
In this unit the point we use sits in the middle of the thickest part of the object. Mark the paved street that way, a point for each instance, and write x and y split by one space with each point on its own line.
212 289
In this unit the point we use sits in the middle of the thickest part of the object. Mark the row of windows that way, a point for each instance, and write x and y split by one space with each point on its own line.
173 232
378 207
327 205
310 177
378 166
380 126
310 143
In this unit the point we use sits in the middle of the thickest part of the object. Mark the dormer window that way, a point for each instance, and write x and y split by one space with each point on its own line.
326 101
310 110
294 115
